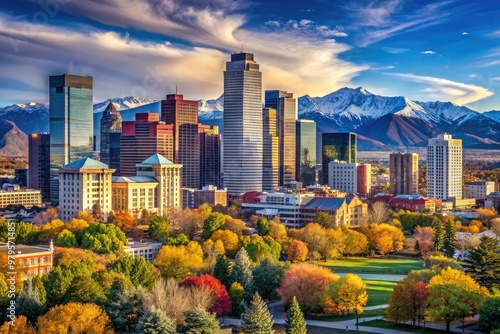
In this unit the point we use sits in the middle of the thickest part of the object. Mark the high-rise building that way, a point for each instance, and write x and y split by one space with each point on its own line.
242 141
71 123
270 149
39 163
21 177
403 173
142 138
183 114
210 155
338 146
286 115
82 184
364 179
111 129
305 160
444 167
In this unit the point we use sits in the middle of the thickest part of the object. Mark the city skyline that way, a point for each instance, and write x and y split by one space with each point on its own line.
427 51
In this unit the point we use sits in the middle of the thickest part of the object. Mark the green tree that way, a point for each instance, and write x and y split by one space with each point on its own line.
242 271
104 238
65 239
449 237
137 269
223 270
84 289
438 236
483 263
488 314
237 295
200 321
156 322
295 323
268 276
257 320
214 222
259 248
159 228
56 284
262 226
325 220
31 302
27 233
124 308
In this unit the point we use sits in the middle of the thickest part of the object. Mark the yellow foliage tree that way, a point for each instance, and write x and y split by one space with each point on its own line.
22 326
74 318
50 230
76 225
85 216
179 262
297 251
229 239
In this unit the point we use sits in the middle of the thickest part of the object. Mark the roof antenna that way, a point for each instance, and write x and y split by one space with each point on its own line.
175 89
242 47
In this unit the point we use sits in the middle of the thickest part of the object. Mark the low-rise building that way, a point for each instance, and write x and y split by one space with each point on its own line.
343 176
134 193
479 190
188 198
17 196
147 250
210 195
416 203
493 200
31 261
347 211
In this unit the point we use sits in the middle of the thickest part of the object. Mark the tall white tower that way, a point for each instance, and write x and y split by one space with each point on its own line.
242 140
444 167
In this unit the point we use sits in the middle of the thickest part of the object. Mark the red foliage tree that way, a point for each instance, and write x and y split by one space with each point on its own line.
222 302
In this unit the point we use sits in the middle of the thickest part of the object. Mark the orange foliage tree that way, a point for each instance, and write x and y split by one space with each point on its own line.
297 251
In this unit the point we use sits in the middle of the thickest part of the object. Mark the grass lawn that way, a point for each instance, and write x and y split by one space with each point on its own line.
373 265
402 327
378 292
370 313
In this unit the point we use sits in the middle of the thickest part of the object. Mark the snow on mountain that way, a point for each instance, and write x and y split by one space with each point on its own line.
30 117
210 109
126 102
494 115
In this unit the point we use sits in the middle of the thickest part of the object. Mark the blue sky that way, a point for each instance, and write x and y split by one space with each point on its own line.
424 50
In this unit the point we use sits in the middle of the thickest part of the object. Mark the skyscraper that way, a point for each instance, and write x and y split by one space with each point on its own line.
143 138
183 114
403 173
305 160
338 146
210 154
71 123
39 163
286 111
111 129
444 167
270 148
242 141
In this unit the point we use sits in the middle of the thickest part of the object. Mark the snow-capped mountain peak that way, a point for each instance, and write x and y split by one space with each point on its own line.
122 103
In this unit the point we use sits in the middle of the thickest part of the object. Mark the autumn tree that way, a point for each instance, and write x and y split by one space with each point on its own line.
84 215
483 263
221 302
379 213
137 269
294 322
51 230
237 296
156 322
234 225
223 271
355 242
325 220
335 243
268 276
442 262
65 239
425 238
495 226
229 239
23 326
76 225
179 262
257 319
486 215
454 295
74 318
214 222
277 231
408 302
259 248
27 233
125 221
307 282
297 251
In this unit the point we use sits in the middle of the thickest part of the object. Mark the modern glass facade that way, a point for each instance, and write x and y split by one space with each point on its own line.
286 108
111 129
306 152
71 123
242 140
270 150
338 146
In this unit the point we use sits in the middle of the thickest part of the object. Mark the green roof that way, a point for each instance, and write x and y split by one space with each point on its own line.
86 163
157 159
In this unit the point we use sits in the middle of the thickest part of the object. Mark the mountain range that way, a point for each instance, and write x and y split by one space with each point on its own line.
381 122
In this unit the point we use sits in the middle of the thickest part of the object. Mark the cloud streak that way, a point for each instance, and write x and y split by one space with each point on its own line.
446 90
428 52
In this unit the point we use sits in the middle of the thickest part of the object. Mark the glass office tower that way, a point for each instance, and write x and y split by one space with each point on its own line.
340 146
71 123
306 152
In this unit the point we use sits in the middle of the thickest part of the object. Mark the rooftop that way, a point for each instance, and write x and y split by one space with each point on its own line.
24 249
411 197
134 179
324 203
86 163
157 159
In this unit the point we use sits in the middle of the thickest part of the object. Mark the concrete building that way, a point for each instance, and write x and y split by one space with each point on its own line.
210 195
286 115
210 155
493 200
183 114
364 179
306 152
111 129
242 141
270 150
82 184
415 203
349 211
188 198
444 167
479 190
343 176
134 193
39 163
147 250
71 123
142 138
17 196
31 260
340 147
403 173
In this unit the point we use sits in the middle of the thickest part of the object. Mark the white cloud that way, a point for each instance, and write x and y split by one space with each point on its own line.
472 76
395 50
446 90
465 33
496 79
304 22
428 52
494 34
